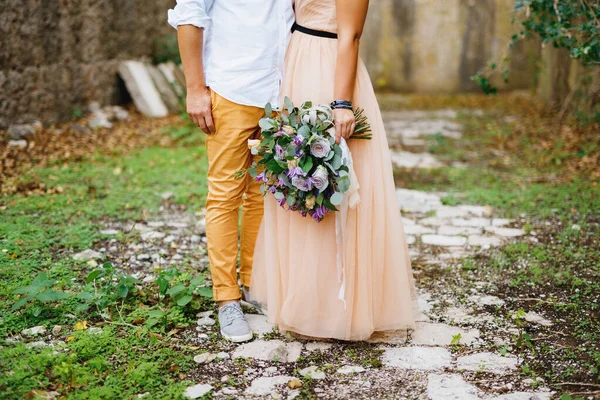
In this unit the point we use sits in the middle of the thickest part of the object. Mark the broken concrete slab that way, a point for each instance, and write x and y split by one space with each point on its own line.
164 88
140 86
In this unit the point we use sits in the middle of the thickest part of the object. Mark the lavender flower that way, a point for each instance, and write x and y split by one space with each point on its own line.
280 153
261 177
319 213
298 140
320 178
320 147
295 172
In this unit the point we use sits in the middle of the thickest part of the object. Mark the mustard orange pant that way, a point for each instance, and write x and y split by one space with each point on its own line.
228 152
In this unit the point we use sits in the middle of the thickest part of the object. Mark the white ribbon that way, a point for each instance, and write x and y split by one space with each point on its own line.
351 200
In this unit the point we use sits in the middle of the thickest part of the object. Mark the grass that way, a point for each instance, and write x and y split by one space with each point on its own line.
38 232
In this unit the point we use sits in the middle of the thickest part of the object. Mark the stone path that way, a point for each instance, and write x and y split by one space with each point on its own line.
452 354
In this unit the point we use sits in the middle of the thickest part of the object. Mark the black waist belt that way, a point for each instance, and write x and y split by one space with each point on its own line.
313 32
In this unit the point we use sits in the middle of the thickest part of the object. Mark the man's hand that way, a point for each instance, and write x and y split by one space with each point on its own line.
199 108
344 123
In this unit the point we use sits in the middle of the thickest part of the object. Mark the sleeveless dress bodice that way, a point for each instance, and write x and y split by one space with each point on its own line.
316 14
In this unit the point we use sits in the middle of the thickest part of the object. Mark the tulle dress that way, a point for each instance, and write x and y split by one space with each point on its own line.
294 272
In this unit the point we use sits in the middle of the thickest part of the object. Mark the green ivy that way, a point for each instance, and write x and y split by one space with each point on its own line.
570 24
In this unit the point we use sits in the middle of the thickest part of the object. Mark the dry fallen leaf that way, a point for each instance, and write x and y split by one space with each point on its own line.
81 326
294 383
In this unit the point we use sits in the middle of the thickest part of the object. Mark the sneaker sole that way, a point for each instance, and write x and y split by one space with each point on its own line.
238 339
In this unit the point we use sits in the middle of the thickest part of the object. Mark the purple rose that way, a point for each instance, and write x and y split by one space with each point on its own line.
320 147
302 183
320 178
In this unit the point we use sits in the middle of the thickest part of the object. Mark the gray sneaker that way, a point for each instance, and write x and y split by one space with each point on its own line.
234 326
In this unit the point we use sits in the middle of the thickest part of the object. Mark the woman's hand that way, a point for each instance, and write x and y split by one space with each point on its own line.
344 123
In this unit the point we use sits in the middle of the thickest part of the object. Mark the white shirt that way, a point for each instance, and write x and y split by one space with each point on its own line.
244 45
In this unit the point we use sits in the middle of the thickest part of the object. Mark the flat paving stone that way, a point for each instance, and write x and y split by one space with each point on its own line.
478 211
506 232
269 350
87 255
451 212
313 372
485 300
484 241
263 386
434 221
152 235
259 324
458 230
350 369
197 391
437 334
487 362
444 240
465 316
450 387
405 159
417 358
536 318
417 229
474 222
417 201
317 346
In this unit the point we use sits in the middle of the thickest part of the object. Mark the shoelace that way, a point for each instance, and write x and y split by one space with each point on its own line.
231 313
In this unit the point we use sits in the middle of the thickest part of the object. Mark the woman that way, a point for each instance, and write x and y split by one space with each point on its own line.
294 272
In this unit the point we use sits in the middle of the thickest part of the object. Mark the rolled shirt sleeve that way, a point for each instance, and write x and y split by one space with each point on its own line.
190 12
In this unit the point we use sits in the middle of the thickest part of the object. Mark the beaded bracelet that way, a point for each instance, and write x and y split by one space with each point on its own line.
341 104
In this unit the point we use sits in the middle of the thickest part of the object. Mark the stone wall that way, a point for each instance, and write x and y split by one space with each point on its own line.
435 46
59 55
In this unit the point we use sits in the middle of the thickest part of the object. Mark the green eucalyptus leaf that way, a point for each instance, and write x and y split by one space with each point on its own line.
343 184
337 198
265 123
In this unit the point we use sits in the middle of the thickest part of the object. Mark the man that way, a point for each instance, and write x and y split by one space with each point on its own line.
232 53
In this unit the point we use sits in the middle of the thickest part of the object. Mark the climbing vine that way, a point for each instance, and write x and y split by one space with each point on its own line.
570 24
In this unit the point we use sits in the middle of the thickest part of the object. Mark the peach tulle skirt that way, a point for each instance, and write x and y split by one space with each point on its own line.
294 272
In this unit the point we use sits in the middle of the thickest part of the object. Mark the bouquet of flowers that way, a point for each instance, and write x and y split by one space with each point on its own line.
300 164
